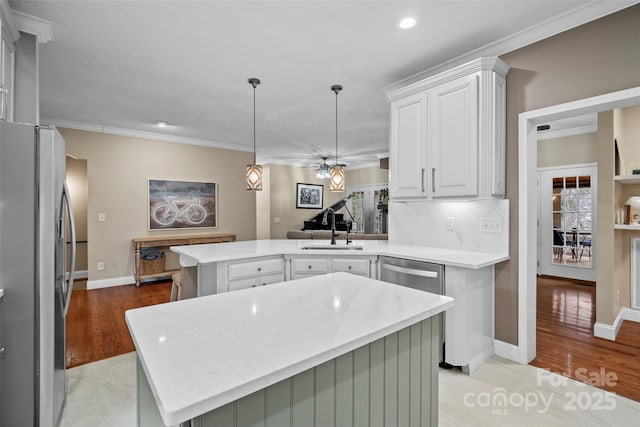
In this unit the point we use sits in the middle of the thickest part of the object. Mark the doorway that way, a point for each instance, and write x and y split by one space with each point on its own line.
528 204
567 212
367 204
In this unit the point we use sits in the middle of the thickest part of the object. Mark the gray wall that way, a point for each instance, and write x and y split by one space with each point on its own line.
594 59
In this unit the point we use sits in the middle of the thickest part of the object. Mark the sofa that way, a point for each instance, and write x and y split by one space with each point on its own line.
326 235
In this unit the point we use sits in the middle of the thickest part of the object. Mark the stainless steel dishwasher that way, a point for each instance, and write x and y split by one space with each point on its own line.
424 276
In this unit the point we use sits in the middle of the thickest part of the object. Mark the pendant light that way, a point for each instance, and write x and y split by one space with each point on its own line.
336 177
254 171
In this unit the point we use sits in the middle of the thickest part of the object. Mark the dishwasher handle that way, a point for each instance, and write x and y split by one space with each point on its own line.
411 271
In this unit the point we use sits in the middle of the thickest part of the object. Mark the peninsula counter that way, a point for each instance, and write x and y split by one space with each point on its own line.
326 350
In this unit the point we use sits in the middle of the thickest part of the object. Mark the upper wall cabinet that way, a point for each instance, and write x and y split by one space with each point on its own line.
408 136
447 134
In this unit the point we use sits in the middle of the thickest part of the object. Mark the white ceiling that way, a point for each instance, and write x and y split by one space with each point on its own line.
126 64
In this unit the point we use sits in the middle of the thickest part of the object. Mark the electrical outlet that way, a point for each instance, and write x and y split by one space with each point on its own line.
490 225
100 266
451 221
102 217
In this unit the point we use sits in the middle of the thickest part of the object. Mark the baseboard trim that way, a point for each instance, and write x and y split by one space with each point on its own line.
80 274
108 283
610 332
506 350
478 361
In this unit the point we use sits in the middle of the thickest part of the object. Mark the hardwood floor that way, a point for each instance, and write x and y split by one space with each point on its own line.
96 328
566 345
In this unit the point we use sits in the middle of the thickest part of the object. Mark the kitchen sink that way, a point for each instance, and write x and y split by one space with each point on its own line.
335 247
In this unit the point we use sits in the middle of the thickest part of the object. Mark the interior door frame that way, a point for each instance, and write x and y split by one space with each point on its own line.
368 189
583 275
527 201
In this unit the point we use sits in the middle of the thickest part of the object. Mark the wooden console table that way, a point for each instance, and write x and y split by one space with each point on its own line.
166 241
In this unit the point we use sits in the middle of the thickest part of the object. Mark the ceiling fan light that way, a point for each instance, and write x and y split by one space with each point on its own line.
336 179
254 177
323 170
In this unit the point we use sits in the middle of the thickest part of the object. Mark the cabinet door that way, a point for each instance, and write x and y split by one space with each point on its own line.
453 138
255 268
236 285
408 147
352 265
307 267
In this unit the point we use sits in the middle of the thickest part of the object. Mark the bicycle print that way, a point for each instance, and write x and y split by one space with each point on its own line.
181 204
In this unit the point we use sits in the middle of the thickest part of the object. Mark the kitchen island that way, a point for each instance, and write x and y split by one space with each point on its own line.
468 279
335 349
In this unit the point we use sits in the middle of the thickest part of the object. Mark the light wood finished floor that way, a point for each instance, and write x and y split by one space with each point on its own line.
96 328
565 341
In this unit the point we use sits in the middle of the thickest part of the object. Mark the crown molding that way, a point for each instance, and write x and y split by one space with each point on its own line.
141 134
493 63
579 16
554 134
42 29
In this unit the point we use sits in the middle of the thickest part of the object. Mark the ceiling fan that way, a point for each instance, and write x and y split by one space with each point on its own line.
323 170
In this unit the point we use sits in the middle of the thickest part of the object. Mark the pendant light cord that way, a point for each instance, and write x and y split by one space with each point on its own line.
336 128
254 124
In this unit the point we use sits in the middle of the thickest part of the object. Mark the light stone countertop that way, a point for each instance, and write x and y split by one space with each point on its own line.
202 353
201 254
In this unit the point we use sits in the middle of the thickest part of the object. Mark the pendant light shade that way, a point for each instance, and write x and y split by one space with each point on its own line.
254 177
254 171
336 177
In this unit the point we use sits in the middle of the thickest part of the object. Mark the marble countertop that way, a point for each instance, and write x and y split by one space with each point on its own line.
200 254
202 353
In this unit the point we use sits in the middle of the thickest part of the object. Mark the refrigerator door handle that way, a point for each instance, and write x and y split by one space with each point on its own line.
72 227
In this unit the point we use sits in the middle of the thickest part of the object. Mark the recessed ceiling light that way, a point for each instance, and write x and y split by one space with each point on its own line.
161 123
407 22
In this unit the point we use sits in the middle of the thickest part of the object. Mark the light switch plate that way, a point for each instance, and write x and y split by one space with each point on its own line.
490 224
451 222
102 217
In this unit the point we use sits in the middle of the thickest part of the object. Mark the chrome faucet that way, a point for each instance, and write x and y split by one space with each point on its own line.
333 224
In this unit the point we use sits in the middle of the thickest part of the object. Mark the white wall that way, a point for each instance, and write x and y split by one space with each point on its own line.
424 223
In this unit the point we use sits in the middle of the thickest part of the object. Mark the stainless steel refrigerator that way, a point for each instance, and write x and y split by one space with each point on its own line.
34 202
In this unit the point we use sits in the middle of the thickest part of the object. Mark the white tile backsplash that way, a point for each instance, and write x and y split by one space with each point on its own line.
424 223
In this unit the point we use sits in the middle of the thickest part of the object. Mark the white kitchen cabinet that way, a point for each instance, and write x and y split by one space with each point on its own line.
307 267
408 145
303 266
453 138
469 325
447 136
225 276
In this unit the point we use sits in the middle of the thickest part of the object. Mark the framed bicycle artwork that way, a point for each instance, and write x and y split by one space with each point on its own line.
182 204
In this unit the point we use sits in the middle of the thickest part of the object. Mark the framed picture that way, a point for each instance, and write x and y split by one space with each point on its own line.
182 204
309 196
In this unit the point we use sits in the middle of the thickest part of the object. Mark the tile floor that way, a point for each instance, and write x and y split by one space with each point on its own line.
501 393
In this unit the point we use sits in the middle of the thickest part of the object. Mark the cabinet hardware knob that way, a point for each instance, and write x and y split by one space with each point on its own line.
259 268
263 284
310 267
253 286
349 267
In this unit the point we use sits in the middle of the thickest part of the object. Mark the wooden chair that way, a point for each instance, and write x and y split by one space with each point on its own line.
176 287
